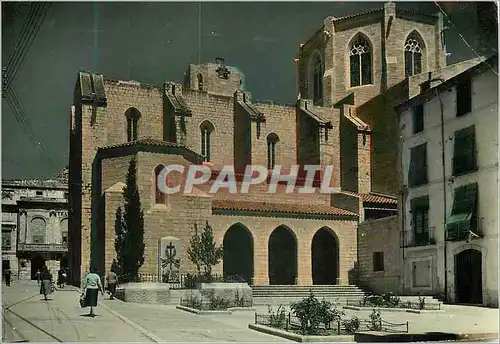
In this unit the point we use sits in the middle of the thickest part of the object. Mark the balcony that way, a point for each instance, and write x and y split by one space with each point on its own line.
57 248
412 239
9 218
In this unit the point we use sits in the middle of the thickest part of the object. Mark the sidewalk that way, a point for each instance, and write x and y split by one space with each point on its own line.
61 318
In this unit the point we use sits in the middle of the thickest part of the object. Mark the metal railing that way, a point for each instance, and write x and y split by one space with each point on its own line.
42 247
183 280
411 238
216 304
289 322
401 304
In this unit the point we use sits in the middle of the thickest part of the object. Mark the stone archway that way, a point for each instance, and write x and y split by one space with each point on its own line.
282 256
325 257
238 253
37 263
468 277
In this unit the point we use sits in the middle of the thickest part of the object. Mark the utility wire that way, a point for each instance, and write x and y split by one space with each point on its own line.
19 60
30 30
28 130
462 37
24 30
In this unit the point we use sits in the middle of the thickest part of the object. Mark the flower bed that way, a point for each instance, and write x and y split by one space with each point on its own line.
391 301
215 302
310 317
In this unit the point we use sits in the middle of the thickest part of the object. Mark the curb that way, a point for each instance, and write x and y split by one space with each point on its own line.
200 312
297 337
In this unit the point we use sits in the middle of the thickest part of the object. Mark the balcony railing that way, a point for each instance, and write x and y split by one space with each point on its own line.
42 247
413 239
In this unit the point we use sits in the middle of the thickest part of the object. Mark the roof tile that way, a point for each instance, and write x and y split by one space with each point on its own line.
317 209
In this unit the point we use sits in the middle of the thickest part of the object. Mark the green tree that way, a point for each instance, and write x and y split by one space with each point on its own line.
120 232
132 248
204 252
193 250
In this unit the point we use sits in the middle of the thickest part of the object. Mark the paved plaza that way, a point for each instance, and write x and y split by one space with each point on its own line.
117 321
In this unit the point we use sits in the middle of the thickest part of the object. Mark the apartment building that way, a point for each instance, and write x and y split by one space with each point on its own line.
449 197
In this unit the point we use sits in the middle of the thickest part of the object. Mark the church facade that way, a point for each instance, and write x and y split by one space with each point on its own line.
280 238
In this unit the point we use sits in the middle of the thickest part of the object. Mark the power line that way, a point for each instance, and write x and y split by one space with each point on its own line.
462 37
18 112
17 62
25 28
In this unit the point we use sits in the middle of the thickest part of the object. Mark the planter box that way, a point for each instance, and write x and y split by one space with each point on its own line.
299 338
150 293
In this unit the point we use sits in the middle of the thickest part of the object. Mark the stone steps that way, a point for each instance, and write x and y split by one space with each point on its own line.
285 294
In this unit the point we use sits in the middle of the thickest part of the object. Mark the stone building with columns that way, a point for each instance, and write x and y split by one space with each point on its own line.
280 238
34 226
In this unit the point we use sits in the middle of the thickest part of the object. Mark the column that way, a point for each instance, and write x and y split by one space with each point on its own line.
304 264
260 260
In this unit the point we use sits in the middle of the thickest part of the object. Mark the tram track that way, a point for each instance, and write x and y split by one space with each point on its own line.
19 332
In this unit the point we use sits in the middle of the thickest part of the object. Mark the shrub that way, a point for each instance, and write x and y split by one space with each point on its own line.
277 319
375 321
217 302
390 300
421 302
329 313
351 325
194 302
239 301
309 312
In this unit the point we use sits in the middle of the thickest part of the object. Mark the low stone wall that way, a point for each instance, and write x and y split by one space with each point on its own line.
150 293
299 338
227 291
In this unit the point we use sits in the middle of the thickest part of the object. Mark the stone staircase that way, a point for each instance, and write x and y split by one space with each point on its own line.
275 295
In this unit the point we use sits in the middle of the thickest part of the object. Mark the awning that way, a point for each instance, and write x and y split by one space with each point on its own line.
464 208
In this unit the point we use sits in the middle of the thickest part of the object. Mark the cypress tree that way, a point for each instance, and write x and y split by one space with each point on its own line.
120 232
133 218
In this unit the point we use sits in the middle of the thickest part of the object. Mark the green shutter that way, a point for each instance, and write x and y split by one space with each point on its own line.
464 151
464 207
417 173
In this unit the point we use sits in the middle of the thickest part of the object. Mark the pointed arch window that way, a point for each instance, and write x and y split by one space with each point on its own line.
413 55
317 79
360 61
160 197
207 129
132 116
200 82
272 141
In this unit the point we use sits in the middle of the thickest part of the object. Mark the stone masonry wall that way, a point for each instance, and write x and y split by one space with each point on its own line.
380 235
304 230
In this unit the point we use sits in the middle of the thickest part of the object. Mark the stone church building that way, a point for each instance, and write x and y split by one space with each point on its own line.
281 238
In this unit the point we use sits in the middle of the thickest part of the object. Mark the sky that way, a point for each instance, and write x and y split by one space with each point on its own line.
153 42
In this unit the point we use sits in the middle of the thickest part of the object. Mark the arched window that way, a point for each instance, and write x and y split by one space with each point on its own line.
160 197
200 82
272 140
38 230
317 79
413 54
360 57
132 115
206 131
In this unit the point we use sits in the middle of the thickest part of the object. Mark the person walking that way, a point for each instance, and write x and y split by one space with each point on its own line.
60 278
46 282
92 286
37 275
7 275
112 281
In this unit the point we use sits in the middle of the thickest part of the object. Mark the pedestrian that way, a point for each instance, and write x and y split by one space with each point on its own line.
7 275
46 282
112 281
37 275
60 278
92 286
